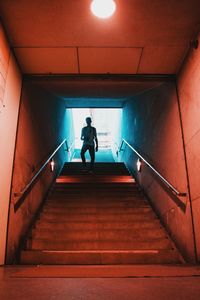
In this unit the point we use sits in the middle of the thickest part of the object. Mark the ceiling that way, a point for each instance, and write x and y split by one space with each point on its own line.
63 37
96 91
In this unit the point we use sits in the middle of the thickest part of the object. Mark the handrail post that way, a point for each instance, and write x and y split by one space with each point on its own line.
120 148
67 147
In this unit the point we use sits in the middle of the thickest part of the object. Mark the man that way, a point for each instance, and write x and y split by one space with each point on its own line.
89 135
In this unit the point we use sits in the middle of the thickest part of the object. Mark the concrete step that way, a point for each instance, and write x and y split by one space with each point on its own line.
93 203
101 234
95 198
102 190
71 225
87 180
97 217
137 244
100 168
99 210
112 257
101 171
96 184
98 165
76 203
96 172
98 197
82 179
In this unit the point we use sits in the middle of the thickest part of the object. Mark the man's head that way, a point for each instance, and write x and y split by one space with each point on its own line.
88 121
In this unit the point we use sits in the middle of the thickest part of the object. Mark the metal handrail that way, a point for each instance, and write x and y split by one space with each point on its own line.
115 145
169 185
69 147
33 179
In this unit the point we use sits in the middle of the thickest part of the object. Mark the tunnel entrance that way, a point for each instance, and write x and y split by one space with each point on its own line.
107 122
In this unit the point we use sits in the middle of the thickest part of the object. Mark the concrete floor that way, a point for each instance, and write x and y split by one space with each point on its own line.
174 283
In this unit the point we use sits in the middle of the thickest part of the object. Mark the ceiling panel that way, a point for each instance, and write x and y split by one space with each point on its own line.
109 60
163 28
47 60
163 60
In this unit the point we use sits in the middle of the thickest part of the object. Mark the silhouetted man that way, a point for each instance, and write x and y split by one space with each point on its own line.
89 137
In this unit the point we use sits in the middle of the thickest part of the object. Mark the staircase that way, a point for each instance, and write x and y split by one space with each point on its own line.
99 218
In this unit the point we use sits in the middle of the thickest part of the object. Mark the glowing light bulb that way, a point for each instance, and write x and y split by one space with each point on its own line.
103 8
139 165
52 165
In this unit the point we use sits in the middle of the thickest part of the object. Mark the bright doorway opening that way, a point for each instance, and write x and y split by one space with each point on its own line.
108 125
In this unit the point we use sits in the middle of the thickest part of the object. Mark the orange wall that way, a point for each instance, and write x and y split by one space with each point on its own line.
43 124
10 90
189 94
152 123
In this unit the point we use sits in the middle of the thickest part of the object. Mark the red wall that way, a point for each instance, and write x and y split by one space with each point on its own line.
43 124
152 123
189 93
10 90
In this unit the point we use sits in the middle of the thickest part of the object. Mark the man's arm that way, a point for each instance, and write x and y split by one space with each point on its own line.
96 140
82 135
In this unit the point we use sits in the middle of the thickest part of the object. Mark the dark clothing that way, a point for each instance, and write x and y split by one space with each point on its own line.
92 154
89 135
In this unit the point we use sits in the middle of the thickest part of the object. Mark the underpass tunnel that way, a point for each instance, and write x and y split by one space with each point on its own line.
159 119
148 118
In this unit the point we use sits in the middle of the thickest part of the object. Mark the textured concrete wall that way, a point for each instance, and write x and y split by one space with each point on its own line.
10 90
151 122
43 124
189 94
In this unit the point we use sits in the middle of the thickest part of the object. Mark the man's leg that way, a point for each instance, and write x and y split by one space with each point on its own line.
83 150
92 155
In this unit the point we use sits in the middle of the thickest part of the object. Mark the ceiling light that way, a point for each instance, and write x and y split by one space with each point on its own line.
103 8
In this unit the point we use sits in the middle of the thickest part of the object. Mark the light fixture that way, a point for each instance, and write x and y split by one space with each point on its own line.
103 8
52 165
139 165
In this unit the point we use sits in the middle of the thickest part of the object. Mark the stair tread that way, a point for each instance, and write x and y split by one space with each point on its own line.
105 251
102 213
159 243
155 223
103 230
60 217
97 219
135 238
95 205
97 234
97 212
96 257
